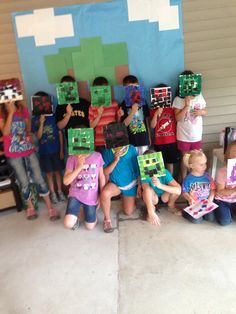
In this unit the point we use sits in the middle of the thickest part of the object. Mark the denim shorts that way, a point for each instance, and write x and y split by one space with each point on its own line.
130 192
73 208
50 163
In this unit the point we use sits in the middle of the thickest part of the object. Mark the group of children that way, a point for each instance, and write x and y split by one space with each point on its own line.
95 178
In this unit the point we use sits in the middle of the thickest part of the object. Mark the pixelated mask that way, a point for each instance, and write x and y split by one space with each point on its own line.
134 94
151 165
41 105
161 97
67 93
10 90
116 135
100 96
190 85
80 141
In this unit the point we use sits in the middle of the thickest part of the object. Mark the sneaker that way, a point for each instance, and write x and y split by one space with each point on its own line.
107 226
53 197
61 197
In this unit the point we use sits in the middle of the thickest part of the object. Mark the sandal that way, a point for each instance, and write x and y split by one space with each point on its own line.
53 214
31 214
107 226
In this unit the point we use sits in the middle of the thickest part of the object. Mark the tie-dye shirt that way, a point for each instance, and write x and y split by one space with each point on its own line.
221 179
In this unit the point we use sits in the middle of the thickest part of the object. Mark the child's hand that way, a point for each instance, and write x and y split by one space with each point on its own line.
118 153
100 111
159 111
197 112
134 109
156 182
81 160
191 201
10 107
69 109
154 219
42 119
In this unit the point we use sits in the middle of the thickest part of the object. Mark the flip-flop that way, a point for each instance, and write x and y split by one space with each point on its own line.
53 214
31 214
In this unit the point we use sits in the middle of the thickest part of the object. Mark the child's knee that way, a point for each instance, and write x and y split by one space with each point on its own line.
90 226
69 222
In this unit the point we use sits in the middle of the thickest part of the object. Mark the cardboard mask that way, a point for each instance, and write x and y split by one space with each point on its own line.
41 105
151 165
134 95
190 85
80 141
116 135
10 90
100 96
161 97
67 93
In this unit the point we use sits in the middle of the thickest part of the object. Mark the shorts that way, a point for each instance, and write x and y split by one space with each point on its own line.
187 146
141 149
50 163
73 208
170 152
130 192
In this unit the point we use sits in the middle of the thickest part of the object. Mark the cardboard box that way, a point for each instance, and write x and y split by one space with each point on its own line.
7 199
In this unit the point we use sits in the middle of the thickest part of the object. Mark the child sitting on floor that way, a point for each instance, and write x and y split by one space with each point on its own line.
164 188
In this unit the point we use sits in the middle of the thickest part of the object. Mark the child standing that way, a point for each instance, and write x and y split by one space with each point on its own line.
102 116
84 174
164 122
164 188
137 120
225 194
188 114
198 184
51 151
20 152
122 168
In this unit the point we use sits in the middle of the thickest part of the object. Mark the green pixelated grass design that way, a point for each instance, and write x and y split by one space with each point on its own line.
151 165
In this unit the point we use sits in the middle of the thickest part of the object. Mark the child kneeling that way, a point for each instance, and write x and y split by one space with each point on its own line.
85 175
164 188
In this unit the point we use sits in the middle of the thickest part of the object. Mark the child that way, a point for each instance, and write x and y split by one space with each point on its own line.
70 115
164 188
137 120
84 174
20 151
122 168
188 114
198 184
225 194
102 116
164 123
51 152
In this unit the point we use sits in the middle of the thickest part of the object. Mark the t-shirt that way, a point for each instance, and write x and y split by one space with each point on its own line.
137 129
18 143
126 170
165 130
189 128
79 116
85 186
49 142
163 179
199 187
109 115
221 178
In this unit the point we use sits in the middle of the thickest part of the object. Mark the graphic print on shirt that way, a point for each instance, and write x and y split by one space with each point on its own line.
165 127
189 116
19 141
137 122
86 179
48 135
200 190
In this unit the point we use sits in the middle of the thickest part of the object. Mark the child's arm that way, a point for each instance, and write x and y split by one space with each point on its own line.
70 175
157 115
61 142
180 113
113 164
211 196
62 123
94 123
173 186
148 129
188 198
221 189
6 126
39 133
131 114
102 179
200 112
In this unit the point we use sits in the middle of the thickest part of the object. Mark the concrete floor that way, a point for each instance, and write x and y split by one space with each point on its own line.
177 268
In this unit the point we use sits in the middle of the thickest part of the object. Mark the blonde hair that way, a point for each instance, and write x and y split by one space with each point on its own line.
189 157
227 153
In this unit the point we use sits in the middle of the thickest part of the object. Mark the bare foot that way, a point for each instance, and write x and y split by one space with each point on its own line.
154 219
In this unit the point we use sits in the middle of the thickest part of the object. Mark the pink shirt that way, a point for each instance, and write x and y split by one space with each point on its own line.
221 179
18 143
85 186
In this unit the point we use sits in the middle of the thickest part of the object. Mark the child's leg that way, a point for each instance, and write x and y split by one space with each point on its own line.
170 168
90 213
223 213
58 180
50 181
150 199
52 212
108 192
72 212
170 199
183 168
128 204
